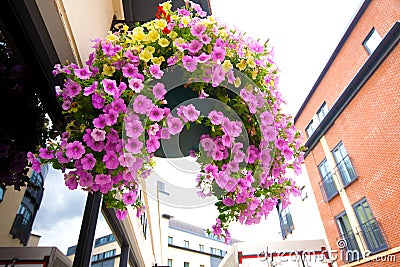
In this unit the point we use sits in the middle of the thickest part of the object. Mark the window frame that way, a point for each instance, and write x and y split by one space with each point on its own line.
323 109
328 170
344 160
186 243
367 47
170 240
353 244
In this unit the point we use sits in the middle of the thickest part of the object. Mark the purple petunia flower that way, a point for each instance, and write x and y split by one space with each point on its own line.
134 128
136 84
74 150
175 125
189 63
129 70
152 144
45 153
88 161
134 146
195 46
102 179
83 73
121 214
110 86
130 197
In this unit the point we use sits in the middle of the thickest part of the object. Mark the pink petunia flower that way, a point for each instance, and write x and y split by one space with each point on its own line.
75 150
90 89
134 128
88 161
134 146
130 197
156 114
136 84
189 63
129 70
121 214
98 135
71 183
152 144
174 125
190 113
102 179
156 71
45 153
110 86
195 46
159 91
216 117
83 73
86 179
142 104
198 29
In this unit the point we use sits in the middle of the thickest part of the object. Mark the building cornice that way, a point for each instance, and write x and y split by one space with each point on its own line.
346 35
388 43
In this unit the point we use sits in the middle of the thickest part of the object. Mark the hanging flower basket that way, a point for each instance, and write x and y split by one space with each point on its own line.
121 114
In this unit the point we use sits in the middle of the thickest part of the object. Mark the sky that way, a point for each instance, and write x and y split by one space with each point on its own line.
303 34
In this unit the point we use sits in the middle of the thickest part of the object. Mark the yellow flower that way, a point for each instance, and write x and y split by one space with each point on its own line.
251 63
227 65
125 28
237 82
150 49
254 74
108 70
160 24
145 55
174 17
173 34
138 34
185 20
242 65
111 37
153 36
158 60
163 42
210 20
166 5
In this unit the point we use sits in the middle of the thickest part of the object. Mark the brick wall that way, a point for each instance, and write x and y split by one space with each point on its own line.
369 128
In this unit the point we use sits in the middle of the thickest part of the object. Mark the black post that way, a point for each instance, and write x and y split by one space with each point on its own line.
86 237
123 259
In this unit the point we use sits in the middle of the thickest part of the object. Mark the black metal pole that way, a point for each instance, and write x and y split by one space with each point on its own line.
86 237
123 259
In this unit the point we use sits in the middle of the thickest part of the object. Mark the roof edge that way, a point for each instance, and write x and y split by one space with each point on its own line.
346 35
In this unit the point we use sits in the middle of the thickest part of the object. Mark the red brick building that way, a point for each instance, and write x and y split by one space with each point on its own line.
351 119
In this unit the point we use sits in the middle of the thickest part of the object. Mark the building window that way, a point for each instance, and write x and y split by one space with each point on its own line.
369 227
22 225
201 247
104 240
169 262
170 240
285 220
201 265
322 111
2 192
343 165
186 244
347 239
104 255
212 250
311 128
37 179
303 193
186 264
372 41
161 187
327 185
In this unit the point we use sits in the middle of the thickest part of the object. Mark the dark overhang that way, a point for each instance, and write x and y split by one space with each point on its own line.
346 35
389 42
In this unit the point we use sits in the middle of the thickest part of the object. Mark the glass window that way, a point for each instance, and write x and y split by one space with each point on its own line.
369 227
212 250
26 213
344 165
372 41
347 238
303 193
186 244
37 179
285 220
170 240
2 192
327 185
186 264
311 128
323 110
109 253
201 247
169 262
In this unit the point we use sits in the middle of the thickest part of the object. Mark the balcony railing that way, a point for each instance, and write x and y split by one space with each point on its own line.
346 171
374 240
328 187
286 223
21 229
349 247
